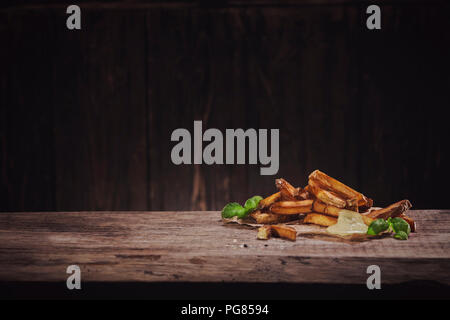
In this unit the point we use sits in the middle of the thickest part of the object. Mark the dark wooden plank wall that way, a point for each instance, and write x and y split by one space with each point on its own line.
86 116
26 120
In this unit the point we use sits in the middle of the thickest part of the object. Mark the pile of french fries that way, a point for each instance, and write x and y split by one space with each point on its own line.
318 203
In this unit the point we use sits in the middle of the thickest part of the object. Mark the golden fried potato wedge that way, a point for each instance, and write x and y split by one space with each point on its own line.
288 192
362 209
263 233
307 188
304 195
352 205
367 220
320 219
289 211
291 204
320 207
326 196
392 211
270 218
286 196
328 183
266 202
292 207
284 232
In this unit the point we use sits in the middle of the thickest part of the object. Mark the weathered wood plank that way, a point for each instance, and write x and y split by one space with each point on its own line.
100 114
86 117
396 161
26 106
196 246
173 60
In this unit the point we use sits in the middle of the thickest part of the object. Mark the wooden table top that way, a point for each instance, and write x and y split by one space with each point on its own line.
197 246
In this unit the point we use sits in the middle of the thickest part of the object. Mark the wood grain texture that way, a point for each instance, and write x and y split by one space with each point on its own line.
100 114
388 78
86 116
196 246
26 125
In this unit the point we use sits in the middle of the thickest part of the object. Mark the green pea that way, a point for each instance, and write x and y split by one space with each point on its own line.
401 235
377 227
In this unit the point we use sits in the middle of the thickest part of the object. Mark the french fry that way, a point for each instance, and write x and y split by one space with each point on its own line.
410 221
279 231
367 220
304 195
392 211
270 218
266 202
292 204
337 187
329 198
320 219
288 192
352 205
291 207
286 196
321 207
307 188
263 233
289 211
362 209
284 232
325 196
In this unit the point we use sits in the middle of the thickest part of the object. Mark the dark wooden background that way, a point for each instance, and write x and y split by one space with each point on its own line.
86 116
